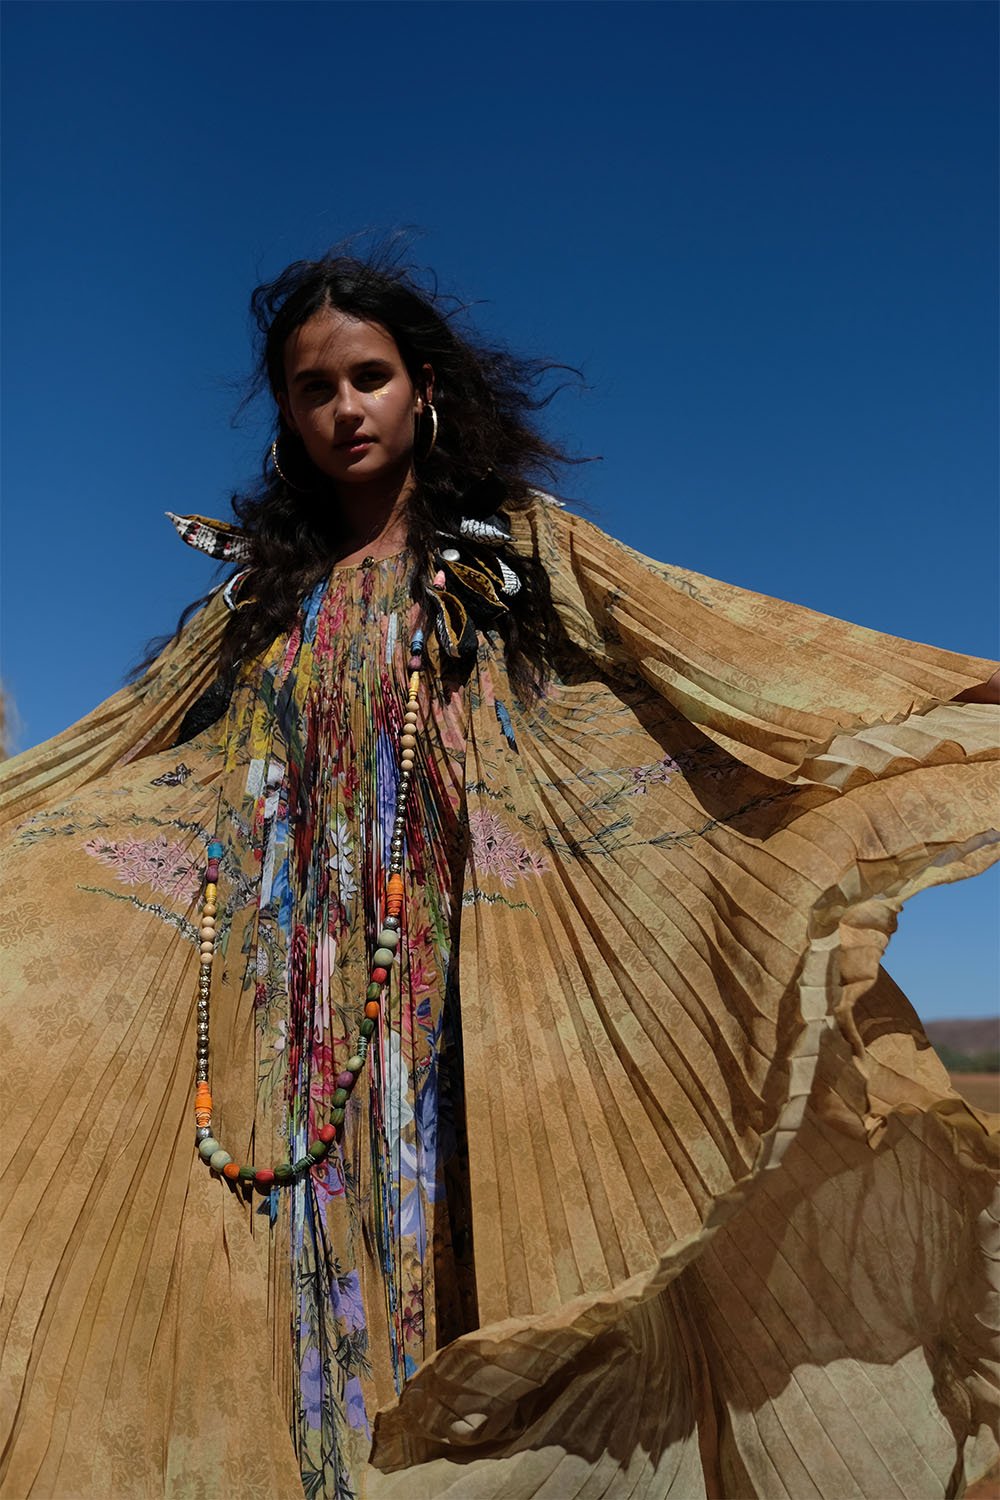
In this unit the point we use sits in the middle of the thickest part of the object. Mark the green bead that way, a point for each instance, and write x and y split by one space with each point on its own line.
388 939
303 1164
318 1149
219 1159
373 992
384 958
367 1027
247 1174
208 1147
284 1173
337 1115
339 1097
355 1064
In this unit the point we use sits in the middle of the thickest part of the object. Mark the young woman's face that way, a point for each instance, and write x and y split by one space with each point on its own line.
350 399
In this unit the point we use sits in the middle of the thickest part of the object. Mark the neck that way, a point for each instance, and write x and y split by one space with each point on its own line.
373 517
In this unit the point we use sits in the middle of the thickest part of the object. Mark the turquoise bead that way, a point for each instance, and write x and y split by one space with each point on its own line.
383 958
215 851
208 1148
388 939
219 1159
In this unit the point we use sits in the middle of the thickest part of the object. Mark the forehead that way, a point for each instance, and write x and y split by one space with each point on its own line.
330 339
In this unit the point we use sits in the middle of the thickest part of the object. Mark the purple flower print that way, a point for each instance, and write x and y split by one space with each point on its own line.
646 776
357 1416
166 867
311 1386
496 849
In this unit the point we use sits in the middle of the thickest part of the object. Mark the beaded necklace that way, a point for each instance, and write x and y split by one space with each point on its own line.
217 1157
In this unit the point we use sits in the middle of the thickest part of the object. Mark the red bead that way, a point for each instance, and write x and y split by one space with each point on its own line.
414 664
264 1178
212 873
379 975
327 1133
345 1080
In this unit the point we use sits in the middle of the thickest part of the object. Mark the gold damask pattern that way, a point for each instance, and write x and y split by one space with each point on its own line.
732 1228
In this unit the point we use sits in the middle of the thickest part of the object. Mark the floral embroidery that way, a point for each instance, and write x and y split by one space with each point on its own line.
496 849
169 868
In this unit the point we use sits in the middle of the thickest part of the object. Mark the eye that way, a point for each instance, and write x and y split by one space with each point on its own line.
373 376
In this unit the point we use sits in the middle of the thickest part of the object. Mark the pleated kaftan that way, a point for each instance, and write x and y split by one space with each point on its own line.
653 1186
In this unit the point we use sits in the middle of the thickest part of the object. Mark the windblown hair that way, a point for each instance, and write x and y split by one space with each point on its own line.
488 456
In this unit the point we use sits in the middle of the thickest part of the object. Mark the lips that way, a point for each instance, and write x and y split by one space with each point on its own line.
359 440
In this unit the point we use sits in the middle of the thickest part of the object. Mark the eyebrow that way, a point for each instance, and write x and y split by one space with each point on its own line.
361 364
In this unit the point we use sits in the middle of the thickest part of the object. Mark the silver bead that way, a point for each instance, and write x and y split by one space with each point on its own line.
203 1133
393 923
451 554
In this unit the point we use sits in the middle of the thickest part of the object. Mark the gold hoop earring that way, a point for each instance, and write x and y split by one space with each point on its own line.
280 471
429 407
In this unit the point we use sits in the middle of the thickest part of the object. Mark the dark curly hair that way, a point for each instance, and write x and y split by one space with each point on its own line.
488 457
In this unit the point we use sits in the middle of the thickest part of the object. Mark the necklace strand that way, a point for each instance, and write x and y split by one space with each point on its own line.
217 1157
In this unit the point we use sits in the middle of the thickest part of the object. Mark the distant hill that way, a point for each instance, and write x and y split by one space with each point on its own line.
967 1046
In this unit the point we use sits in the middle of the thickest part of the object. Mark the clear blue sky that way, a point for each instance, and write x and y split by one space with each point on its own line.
767 233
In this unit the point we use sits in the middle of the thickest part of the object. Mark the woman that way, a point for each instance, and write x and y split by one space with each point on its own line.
510 907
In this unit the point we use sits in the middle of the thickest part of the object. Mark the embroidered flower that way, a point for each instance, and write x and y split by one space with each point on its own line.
496 849
660 772
165 867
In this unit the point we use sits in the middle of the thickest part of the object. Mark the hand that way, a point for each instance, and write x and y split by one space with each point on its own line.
983 692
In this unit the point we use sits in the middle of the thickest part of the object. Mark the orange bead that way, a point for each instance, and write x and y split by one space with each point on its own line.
395 885
203 1117
373 1010
231 1170
203 1096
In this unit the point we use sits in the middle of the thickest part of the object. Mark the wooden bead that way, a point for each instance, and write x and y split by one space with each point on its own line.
209 909
207 949
407 741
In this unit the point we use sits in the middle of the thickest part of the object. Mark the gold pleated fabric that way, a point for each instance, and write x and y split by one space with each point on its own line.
734 1233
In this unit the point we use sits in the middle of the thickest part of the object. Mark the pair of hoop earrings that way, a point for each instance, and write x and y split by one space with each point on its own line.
428 408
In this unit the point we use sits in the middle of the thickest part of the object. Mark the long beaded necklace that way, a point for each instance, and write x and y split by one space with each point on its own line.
217 1157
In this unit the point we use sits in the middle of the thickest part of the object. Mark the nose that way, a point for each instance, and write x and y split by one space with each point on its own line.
348 407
